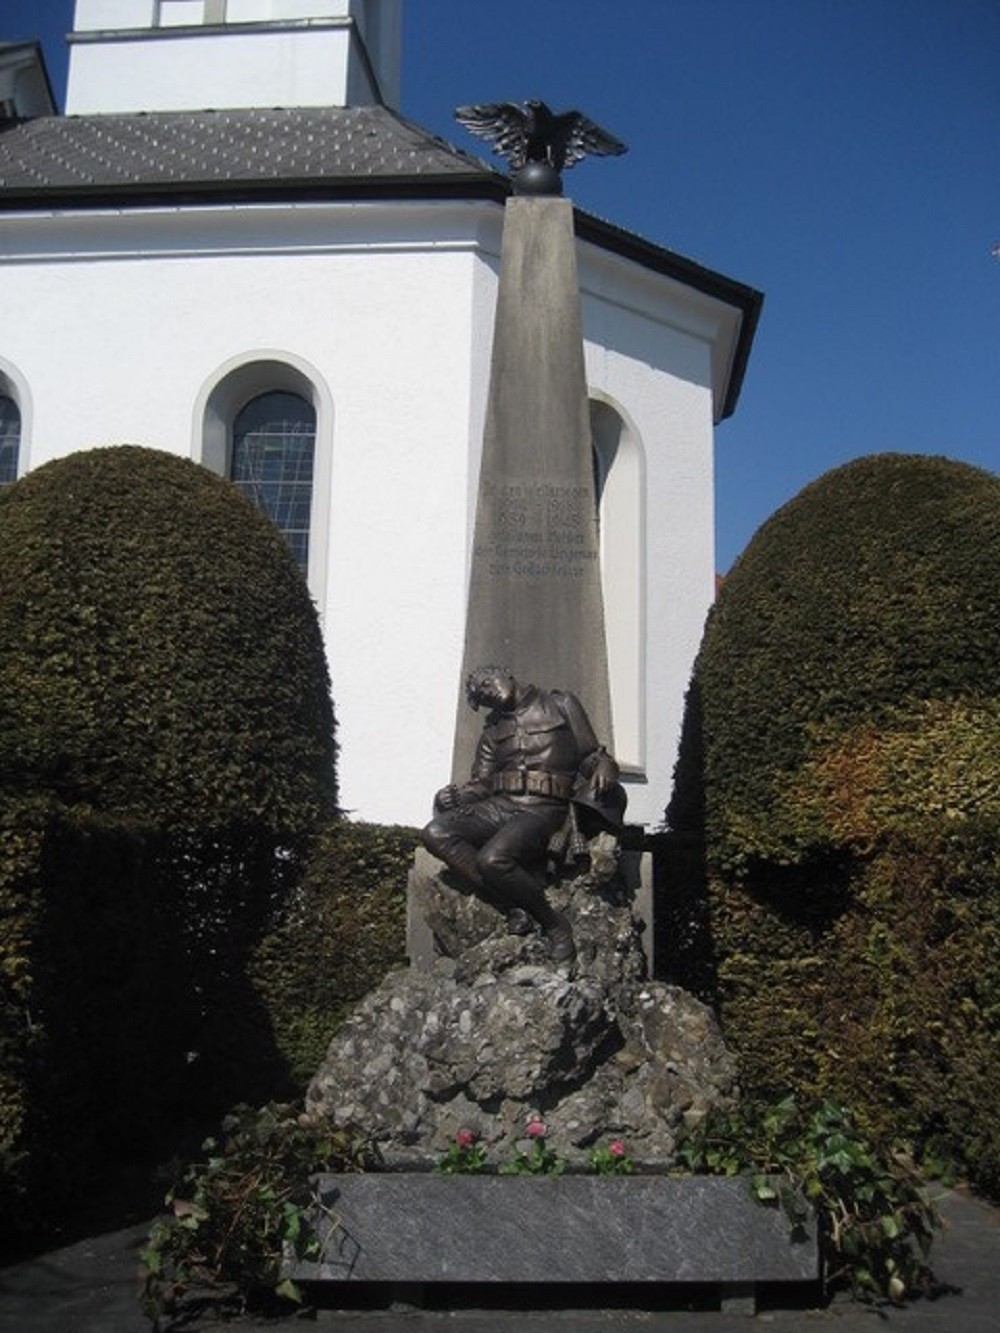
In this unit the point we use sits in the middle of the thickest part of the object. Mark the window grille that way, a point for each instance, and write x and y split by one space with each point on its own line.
10 439
274 440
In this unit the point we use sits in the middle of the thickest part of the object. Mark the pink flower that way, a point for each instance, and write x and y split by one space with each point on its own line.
465 1138
535 1129
616 1148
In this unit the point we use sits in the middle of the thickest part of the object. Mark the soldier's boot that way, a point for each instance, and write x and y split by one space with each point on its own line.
521 891
519 922
562 946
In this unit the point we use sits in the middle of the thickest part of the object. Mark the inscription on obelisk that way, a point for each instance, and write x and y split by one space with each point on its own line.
535 601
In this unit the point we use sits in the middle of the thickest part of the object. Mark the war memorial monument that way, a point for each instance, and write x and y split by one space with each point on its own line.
528 1007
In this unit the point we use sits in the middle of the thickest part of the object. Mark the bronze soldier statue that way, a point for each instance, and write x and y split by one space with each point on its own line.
537 761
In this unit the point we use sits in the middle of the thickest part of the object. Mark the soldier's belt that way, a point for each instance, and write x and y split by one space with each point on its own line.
534 782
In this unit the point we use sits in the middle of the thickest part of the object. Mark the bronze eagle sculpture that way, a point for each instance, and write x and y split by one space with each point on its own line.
532 132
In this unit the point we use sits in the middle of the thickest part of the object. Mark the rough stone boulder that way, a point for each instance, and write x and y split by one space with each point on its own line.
491 1034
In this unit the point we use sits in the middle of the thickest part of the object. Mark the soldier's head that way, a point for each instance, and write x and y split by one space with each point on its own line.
491 687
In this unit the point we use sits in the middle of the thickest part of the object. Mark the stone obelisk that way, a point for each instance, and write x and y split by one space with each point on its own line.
535 602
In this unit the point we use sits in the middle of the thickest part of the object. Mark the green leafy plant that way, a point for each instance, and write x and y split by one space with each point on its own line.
538 1159
612 1160
466 1156
237 1216
875 1221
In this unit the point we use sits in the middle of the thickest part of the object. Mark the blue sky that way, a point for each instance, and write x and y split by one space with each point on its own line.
842 156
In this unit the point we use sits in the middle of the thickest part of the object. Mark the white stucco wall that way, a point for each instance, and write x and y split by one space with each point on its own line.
132 55
649 344
117 325
239 70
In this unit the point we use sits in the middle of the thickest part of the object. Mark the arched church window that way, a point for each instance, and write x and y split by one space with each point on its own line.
606 432
10 439
265 421
274 441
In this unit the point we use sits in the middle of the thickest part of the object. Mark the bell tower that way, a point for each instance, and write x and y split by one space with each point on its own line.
194 55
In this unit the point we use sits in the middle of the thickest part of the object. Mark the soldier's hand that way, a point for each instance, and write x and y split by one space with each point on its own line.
447 798
605 775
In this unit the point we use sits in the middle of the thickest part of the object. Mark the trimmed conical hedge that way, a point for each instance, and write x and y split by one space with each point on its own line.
842 762
159 654
166 755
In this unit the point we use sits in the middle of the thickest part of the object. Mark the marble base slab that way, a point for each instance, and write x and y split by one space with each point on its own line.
416 1228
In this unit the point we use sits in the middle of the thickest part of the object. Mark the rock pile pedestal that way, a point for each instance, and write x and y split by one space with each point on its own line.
492 1034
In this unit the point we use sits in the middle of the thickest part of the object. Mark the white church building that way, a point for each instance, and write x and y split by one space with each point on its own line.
234 247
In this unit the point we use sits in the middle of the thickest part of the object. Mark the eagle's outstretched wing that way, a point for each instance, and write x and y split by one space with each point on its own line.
576 136
504 124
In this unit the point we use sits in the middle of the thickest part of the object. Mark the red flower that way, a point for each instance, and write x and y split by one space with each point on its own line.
535 1129
465 1138
616 1148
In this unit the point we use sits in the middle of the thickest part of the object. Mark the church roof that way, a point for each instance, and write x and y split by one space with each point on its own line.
279 154
238 154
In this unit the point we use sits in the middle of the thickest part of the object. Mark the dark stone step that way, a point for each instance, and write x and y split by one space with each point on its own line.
419 1229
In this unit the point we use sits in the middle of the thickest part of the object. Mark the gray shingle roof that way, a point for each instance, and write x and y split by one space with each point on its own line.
194 151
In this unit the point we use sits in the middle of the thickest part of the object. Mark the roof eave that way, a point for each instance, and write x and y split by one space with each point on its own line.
35 49
152 194
491 187
747 300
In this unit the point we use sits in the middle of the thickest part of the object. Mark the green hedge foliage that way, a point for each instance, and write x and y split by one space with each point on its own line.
344 929
841 760
166 755
159 653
